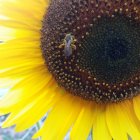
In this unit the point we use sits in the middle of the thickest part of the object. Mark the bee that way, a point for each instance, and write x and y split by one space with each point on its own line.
68 44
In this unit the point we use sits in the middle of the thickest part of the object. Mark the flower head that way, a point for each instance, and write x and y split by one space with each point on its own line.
78 60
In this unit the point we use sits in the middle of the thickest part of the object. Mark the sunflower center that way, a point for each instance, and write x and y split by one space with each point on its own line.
92 48
111 50
116 49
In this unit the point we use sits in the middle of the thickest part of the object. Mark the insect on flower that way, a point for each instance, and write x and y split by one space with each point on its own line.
68 44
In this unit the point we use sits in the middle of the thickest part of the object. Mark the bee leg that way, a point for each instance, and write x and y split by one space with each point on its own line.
74 47
61 46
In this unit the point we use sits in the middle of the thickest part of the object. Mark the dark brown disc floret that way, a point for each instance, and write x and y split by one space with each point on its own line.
92 47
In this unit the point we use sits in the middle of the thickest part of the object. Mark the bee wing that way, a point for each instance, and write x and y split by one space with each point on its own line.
68 49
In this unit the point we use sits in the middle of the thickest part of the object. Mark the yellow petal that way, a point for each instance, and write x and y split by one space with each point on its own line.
113 123
100 129
66 116
136 102
34 83
84 122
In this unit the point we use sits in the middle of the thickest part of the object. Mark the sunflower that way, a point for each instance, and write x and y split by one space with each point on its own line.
78 61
